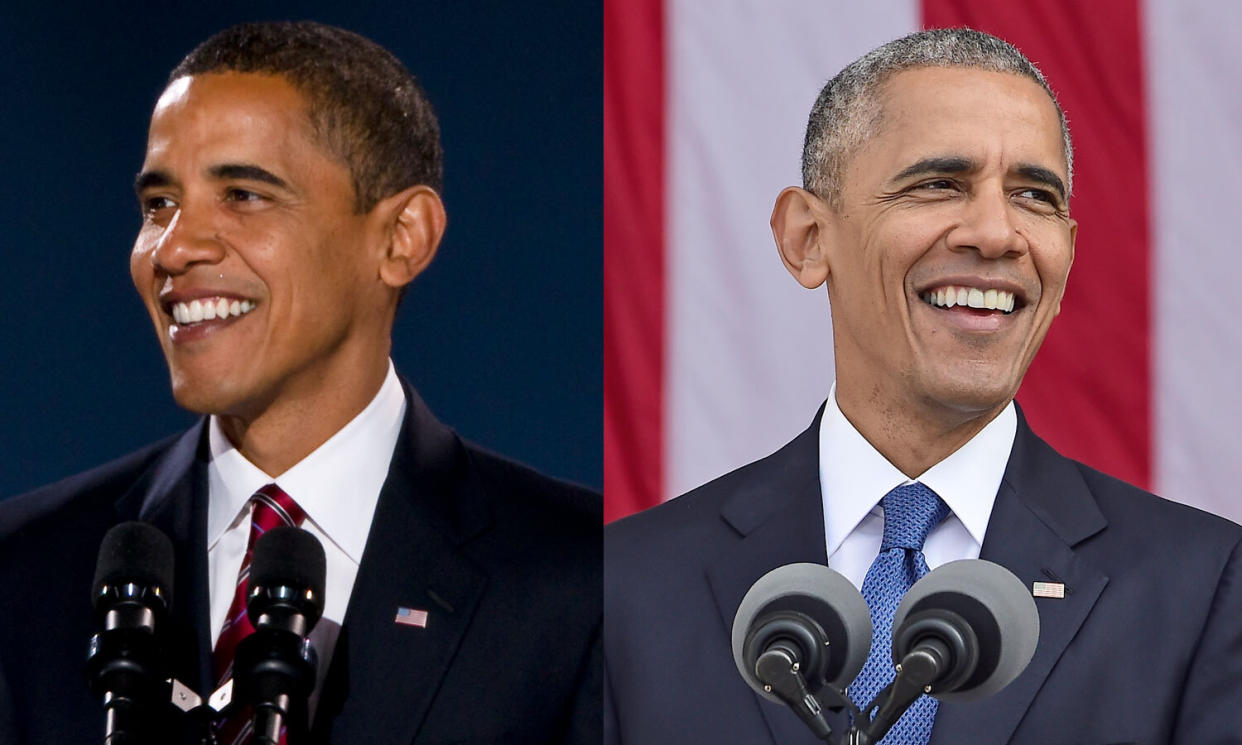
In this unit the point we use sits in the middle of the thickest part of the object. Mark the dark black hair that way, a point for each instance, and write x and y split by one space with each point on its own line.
364 105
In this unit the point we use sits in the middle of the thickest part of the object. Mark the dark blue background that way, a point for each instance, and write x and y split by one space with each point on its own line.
502 335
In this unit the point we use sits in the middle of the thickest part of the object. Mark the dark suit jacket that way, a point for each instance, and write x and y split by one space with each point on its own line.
506 561
1146 646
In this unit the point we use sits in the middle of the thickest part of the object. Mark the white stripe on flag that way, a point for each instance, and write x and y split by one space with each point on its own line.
749 353
1194 79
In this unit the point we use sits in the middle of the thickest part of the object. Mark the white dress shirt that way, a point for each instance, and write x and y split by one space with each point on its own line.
854 477
337 486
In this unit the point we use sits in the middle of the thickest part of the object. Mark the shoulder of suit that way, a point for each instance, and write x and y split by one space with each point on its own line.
681 527
1125 504
526 494
96 489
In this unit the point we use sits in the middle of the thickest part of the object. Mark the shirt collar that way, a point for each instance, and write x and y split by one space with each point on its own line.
337 485
854 476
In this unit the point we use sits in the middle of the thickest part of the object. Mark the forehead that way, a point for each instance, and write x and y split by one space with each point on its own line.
986 116
258 118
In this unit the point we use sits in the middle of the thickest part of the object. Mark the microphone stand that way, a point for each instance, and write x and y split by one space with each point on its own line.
781 676
275 674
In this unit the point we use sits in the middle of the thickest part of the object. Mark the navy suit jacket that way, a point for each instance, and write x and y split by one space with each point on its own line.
506 562
1146 646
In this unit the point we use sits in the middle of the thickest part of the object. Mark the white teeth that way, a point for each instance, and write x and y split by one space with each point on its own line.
973 297
208 309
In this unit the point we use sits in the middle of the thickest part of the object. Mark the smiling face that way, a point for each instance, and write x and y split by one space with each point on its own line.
947 255
261 279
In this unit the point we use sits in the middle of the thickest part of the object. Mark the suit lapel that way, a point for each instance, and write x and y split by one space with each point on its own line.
172 496
777 513
1042 510
384 675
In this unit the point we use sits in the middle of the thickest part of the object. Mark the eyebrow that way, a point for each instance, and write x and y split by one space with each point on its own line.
149 179
224 171
954 164
246 172
1042 175
949 164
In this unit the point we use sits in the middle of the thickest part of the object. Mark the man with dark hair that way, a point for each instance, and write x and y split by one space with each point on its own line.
289 195
935 209
364 106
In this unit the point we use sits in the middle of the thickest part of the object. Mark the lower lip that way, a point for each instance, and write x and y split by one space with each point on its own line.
180 334
971 319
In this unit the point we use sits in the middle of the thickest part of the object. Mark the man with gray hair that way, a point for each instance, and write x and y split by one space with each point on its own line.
935 210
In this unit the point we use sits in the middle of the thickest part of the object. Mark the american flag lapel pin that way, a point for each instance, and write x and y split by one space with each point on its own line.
1048 590
411 617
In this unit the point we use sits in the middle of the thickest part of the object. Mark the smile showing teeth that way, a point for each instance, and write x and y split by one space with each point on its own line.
209 309
970 297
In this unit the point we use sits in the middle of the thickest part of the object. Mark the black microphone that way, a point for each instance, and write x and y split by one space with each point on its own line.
274 668
132 593
802 629
962 633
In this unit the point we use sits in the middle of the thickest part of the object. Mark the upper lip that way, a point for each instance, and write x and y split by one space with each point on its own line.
983 283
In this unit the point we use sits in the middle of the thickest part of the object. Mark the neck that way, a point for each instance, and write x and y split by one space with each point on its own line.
911 436
287 430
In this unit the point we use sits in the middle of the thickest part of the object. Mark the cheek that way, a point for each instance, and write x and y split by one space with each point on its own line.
890 255
140 269
1052 263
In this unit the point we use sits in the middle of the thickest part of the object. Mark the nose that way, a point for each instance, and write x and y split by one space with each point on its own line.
190 238
988 227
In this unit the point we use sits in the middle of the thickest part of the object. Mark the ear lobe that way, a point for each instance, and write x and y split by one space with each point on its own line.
416 229
796 228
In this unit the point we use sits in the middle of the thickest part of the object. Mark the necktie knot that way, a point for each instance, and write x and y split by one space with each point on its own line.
272 507
910 512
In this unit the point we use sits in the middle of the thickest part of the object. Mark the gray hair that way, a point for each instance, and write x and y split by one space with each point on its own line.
848 109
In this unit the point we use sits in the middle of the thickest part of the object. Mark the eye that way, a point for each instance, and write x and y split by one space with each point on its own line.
939 184
1039 194
1041 199
153 205
237 194
931 190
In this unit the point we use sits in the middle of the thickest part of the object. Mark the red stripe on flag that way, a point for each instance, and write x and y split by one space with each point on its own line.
633 254
1089 390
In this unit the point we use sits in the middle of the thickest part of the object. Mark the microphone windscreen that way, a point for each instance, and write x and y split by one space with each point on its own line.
823 594
1000 611
134 552
290 557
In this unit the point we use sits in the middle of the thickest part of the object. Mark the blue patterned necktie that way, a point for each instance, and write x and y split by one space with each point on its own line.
910 512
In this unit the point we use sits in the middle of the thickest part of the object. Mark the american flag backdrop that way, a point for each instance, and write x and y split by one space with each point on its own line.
714 356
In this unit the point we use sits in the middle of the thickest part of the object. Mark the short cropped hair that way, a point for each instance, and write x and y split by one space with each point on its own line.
364 105
848 109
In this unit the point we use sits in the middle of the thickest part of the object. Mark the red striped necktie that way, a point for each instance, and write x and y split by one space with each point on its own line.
272 508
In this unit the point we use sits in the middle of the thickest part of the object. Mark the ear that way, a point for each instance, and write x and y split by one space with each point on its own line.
1073 239
798 234
415 226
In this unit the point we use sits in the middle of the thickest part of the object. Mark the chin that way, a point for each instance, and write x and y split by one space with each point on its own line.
971 394
200 397
194 400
